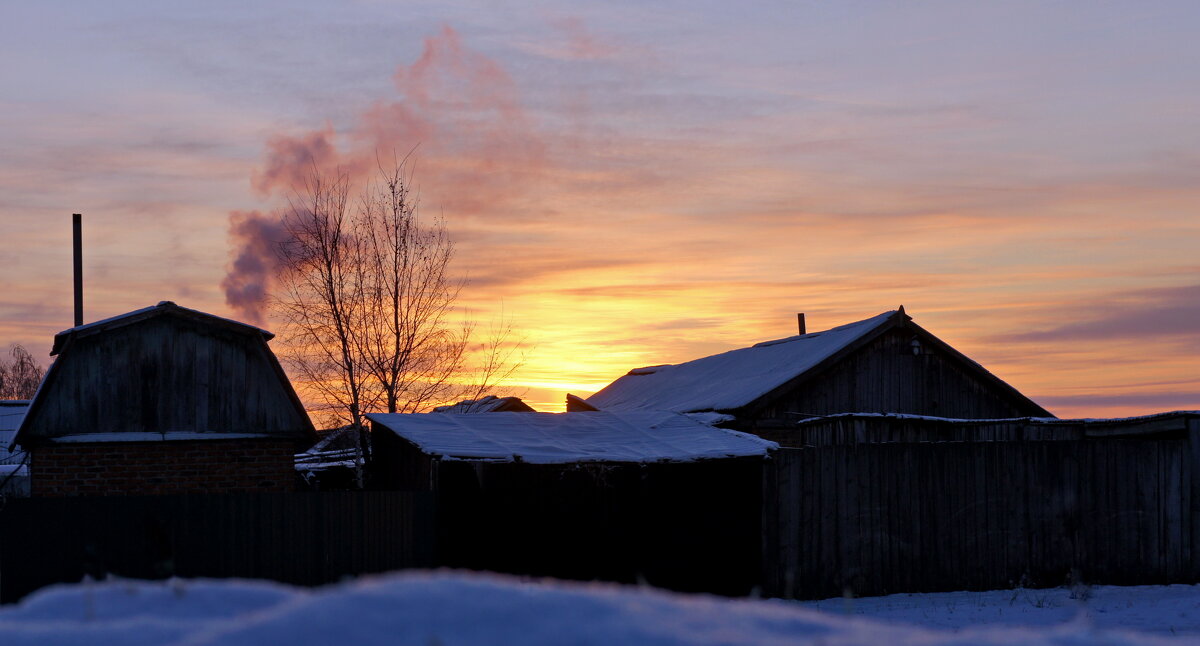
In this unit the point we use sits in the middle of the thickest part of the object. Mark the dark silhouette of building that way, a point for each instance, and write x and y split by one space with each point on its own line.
163 400
884 364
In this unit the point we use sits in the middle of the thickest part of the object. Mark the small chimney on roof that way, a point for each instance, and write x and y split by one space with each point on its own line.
77 247
800 323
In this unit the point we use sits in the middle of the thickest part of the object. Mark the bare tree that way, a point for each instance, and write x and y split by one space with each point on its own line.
496 359
320 296
21 376
408 349
367 297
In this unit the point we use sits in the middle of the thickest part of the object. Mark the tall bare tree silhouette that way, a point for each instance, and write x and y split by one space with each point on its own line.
365 295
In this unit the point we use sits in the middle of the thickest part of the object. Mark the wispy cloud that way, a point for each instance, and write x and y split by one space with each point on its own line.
1170 312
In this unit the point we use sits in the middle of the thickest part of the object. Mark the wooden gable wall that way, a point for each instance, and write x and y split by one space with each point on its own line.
166 374
886 377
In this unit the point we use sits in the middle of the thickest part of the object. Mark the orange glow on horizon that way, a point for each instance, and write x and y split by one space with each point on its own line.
628 203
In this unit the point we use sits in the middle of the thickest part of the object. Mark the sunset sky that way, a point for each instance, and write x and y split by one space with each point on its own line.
645 183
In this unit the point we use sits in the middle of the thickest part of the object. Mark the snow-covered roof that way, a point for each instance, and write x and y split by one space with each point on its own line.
163 307
338 447
12 411
733 379
489 404
558 438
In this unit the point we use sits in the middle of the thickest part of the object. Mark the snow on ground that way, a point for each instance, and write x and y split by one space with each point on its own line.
1165 609
446 609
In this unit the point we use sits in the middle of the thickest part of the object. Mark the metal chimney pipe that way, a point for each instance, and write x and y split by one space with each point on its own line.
800 322
77 244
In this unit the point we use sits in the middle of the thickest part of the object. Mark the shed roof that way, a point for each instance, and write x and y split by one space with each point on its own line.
733 379
558 438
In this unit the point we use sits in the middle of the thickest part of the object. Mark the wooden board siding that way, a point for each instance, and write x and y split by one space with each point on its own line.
299 538
165 374
886 377
873 519
397 465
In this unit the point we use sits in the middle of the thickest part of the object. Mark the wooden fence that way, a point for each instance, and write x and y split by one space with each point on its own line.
879 518
302 538
692 527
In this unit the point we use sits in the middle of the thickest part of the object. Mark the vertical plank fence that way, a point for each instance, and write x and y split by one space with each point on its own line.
871 519
301 538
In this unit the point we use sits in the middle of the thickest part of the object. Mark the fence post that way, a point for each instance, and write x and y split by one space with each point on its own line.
1192 464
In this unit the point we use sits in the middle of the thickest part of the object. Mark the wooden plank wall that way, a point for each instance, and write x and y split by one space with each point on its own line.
870 429
872 519
165 374
302 538
886 377
864 429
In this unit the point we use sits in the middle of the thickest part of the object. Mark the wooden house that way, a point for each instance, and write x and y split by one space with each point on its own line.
620 496
884 364
163 400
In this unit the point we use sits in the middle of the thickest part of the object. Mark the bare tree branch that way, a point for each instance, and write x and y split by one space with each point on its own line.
21 376
366 297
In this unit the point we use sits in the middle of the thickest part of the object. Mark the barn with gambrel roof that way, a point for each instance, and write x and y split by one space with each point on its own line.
163 400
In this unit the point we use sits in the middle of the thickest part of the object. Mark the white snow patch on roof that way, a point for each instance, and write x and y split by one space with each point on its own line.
557 438
732 379
482 405
12 411
7 470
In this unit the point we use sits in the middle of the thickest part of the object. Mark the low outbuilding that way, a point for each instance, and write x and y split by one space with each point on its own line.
624 496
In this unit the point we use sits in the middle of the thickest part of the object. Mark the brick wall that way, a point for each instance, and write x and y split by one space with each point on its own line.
157 468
